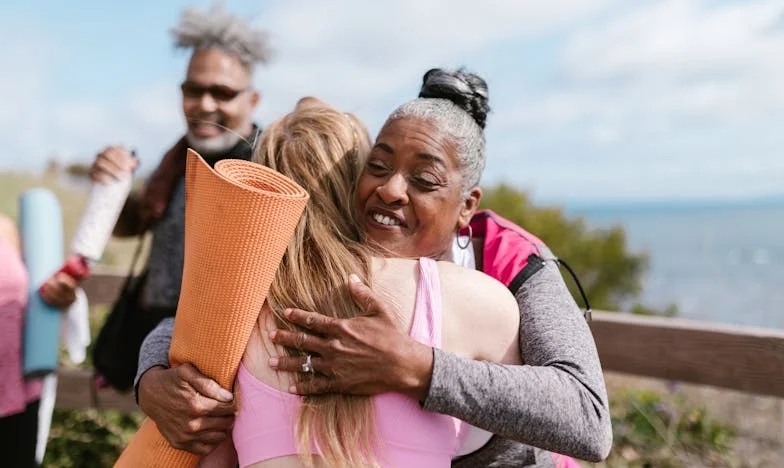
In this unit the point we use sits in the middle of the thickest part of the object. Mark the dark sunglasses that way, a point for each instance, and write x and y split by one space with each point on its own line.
218 92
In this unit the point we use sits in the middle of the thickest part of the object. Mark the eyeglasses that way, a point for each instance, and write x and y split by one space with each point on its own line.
218 92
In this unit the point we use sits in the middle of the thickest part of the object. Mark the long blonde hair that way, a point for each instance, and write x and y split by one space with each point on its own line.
321 149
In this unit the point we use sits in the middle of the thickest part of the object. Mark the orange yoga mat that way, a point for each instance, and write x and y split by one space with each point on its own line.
239 219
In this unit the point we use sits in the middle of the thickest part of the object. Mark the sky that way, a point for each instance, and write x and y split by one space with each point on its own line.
592 100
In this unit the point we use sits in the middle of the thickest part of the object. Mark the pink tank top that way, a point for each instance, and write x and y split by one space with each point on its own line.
15 392
407 436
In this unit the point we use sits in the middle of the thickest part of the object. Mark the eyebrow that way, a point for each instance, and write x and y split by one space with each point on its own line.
427 156
432 158
384 147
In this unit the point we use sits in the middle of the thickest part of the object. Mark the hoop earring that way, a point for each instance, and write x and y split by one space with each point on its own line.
468 242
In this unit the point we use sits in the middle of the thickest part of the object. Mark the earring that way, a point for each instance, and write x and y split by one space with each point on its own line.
468 242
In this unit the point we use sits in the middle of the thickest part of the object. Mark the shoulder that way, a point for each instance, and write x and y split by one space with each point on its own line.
470 281
484 317
476 288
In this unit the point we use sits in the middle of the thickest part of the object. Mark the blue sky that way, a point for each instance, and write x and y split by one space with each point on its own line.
593 100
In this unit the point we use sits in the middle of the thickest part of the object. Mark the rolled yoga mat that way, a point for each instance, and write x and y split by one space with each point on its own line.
239 219
41 229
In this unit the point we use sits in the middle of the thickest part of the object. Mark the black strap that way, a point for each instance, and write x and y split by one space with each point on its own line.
136 255
134 261
587 312
535 263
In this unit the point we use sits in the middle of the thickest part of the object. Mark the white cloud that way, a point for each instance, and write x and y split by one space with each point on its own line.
605 134
693 87
685 38
365 55
686 57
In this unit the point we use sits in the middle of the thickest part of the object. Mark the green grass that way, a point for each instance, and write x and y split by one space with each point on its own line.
655 430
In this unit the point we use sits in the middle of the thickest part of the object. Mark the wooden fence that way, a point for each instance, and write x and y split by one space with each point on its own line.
733 357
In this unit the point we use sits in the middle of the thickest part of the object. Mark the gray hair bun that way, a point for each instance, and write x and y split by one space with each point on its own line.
466 90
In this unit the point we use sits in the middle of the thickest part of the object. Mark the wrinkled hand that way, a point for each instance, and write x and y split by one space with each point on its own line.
59 290
113 163
192 411
365 355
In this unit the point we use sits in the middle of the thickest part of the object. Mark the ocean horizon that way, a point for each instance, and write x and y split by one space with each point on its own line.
716 261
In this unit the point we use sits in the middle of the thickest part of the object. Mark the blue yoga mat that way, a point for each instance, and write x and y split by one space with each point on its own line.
41 228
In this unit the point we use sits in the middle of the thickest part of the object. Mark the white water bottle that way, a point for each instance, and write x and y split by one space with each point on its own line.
103 208
104 205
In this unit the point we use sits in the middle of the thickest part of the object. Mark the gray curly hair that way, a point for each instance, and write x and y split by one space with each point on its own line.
468 136
221 30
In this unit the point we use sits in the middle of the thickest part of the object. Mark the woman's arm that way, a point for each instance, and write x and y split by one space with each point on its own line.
557 401
59 290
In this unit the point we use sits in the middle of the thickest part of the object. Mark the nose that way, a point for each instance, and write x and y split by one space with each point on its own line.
394 190
207 103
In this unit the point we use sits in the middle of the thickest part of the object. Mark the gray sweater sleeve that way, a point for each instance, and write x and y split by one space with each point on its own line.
556 401
154 350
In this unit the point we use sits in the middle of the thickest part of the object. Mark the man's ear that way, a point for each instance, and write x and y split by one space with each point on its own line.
255 98
469 207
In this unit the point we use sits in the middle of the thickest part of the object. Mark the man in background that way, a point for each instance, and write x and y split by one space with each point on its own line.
218 101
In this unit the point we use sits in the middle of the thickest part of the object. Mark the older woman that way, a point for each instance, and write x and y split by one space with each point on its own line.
418 190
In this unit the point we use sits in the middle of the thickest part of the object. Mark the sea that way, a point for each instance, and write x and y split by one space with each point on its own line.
716 263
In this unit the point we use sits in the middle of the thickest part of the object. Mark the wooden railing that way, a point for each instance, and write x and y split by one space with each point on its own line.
733 357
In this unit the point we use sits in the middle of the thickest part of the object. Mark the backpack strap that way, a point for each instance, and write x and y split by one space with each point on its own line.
534 264
587 311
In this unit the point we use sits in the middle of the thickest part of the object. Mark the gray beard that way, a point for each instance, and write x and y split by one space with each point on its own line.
215 145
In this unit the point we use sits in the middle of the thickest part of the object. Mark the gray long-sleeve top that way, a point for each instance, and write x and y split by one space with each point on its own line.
557 401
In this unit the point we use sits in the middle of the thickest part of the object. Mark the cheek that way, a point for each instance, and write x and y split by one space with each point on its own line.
188 106
236 111
230 113
437 217
364 188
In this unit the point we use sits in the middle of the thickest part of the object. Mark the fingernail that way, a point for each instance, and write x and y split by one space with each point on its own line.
287 313
226 395
272 334
354 278
293 389
273 362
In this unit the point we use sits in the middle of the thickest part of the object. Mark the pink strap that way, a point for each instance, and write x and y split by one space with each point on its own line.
428 315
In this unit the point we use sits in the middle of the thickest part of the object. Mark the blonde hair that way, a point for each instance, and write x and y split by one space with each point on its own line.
321 148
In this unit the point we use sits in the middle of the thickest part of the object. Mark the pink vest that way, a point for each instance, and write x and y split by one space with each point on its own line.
511 254
15 392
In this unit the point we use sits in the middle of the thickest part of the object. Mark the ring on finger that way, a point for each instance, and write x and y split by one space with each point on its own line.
307 366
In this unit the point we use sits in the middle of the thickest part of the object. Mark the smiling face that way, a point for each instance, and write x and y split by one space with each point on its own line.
410 196
217 100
